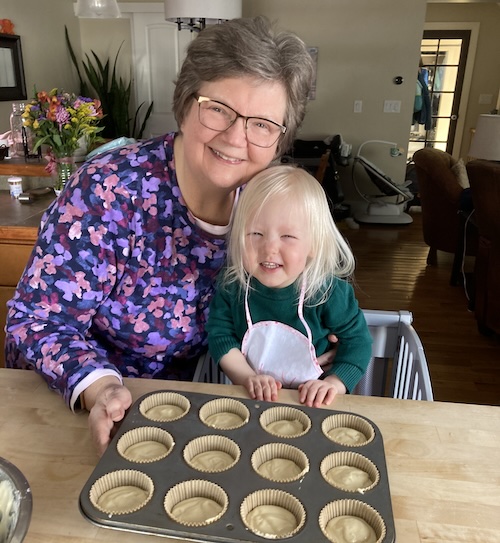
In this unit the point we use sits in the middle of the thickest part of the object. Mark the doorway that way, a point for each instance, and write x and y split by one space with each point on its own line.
442 69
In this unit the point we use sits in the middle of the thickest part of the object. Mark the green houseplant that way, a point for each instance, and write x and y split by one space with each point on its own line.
113 92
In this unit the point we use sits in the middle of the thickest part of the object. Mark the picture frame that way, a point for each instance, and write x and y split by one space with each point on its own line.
12 81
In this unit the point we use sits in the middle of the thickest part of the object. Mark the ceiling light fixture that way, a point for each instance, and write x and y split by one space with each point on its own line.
196 14
97 9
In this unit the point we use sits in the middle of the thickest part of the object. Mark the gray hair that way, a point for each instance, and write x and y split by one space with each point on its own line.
332 256
248 47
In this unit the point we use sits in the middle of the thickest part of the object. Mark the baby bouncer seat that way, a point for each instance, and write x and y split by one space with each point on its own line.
386 205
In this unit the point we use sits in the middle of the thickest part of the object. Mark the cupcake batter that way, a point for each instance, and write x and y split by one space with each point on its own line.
164 412
224 420
348 477
286 427
196 510
212 461
279 469
349 529
122 499
145 450
271 520
347 436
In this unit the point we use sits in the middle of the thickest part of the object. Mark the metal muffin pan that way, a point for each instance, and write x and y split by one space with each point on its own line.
239 481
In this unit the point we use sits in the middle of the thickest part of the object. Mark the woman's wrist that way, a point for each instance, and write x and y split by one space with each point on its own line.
89 396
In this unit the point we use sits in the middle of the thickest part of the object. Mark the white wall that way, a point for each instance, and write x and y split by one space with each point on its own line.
47 64
363 45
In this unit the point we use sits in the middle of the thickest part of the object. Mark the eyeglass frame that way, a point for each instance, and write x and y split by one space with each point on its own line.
200 99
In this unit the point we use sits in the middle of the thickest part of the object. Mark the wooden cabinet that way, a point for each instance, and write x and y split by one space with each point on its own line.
16 244
15 258
18 232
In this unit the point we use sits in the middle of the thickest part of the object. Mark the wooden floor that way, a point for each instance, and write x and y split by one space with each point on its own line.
392 274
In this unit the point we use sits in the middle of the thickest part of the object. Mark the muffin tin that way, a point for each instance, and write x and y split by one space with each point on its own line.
170 477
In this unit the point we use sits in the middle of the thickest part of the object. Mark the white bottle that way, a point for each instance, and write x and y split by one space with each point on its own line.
16 186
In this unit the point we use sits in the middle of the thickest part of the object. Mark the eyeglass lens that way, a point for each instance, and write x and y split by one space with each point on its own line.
217 116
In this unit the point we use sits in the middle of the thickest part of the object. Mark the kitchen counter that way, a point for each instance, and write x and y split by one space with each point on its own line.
19 166
19 221
442 460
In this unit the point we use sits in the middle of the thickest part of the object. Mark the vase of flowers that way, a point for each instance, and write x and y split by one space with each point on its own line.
62 120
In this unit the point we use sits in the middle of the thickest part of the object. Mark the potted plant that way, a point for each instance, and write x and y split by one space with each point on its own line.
114 94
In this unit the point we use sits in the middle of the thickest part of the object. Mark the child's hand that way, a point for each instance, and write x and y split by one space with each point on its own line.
317 393
262 387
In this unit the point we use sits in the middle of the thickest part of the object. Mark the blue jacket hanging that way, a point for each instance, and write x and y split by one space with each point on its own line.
422 113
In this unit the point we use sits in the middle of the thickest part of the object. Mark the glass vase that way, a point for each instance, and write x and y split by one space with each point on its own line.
16 130
65 167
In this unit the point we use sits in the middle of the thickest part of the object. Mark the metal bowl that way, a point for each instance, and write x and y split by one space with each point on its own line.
15 503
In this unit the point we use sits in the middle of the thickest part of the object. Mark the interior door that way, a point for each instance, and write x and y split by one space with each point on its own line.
159 49
443 63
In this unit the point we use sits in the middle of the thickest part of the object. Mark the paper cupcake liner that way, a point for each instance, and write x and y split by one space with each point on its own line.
349 422
221 406
353 508
278 498
122 479
295 422
169 401
207 444
351 459
143 435
196 488
278 451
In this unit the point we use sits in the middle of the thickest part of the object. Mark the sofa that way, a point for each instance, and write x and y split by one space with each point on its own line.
441 182
484 177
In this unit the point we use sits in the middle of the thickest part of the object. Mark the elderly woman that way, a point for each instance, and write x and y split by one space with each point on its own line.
120 279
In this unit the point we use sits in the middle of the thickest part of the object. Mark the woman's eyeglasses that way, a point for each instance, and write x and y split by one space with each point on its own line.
218 116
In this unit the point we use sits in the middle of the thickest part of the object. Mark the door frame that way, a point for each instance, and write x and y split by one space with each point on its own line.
469 68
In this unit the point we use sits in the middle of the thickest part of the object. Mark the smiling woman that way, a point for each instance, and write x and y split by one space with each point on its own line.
12 83
120 280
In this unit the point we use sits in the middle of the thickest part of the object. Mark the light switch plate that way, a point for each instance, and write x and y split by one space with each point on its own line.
392 106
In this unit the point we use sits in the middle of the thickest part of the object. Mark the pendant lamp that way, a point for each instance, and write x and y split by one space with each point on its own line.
196 14
97 9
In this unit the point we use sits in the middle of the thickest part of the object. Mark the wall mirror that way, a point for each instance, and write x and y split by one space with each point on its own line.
12 83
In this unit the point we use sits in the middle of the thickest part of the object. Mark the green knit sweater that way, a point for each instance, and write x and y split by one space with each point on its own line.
340 315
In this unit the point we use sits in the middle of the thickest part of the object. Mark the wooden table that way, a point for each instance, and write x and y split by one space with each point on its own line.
443 461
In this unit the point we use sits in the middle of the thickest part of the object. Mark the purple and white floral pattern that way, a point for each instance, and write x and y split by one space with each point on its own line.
120 277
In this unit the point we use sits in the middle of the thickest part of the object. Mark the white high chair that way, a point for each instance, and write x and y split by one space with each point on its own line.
396 347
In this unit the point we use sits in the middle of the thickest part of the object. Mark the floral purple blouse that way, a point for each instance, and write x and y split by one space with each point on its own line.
120 278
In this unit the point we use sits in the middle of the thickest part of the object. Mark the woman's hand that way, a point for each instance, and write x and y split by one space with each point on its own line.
107 400
320 392
326 359
262 387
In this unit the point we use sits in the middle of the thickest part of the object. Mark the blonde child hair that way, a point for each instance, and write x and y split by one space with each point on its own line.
332 256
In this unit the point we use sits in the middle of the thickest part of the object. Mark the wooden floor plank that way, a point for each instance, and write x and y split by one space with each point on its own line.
392 274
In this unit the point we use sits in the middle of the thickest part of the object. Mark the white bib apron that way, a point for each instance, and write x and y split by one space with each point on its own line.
276 349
